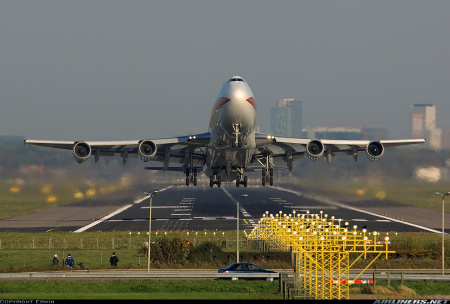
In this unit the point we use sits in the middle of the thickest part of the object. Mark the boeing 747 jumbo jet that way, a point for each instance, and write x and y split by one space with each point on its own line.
230 149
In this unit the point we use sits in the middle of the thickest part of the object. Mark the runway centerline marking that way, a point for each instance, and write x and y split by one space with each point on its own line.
241 209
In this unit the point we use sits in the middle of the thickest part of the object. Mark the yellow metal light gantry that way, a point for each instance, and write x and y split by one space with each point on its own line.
321 247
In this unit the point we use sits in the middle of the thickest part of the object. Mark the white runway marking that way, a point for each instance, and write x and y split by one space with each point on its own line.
335 203
116 212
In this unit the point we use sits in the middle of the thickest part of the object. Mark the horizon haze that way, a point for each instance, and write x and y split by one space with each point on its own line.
114 70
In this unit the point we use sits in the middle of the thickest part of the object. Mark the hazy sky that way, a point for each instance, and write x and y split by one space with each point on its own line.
119 70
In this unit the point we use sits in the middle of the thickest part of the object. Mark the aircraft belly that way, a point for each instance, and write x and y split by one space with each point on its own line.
225 162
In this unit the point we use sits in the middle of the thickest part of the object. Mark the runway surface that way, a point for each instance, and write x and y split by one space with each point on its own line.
203 208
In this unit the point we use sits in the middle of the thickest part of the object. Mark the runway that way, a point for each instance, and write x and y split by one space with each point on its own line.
178 207
196 209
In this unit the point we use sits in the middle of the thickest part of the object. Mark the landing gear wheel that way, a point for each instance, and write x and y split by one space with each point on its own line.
214 180
245 181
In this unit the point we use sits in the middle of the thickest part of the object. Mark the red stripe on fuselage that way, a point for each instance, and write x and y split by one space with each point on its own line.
251 100
222 101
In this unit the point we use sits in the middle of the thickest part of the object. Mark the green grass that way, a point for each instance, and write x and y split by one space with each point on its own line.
137 290
407 192
199 290
421 288
17 198
34 251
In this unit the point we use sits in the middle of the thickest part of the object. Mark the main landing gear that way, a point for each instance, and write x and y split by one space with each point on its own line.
214 180
191 176
267 176
241 180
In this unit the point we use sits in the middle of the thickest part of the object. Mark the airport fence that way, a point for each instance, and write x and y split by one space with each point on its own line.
94 249
111 240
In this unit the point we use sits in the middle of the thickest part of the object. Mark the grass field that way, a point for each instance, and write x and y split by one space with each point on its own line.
407 192
34 251
199 290
138 290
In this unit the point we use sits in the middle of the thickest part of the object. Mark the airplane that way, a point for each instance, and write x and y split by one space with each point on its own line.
230 148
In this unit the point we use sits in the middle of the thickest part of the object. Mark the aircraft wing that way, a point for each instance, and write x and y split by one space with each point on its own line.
286 149
168 150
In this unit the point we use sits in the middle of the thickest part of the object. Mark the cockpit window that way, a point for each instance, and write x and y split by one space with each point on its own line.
236 79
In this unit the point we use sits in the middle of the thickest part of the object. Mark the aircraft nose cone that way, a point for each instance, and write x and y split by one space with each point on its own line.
238 95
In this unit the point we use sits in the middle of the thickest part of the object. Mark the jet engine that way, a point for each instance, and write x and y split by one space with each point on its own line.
374 150
81 152
147 149
314 149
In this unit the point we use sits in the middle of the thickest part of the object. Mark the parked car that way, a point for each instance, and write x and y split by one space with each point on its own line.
242 268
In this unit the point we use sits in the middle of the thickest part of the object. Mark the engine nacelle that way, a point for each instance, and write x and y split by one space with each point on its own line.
314 149
81 152
374 150
146 149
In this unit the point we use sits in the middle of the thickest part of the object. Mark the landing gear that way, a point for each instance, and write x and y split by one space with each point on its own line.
215 180
236 132
191 176
267 176
267 170
241 180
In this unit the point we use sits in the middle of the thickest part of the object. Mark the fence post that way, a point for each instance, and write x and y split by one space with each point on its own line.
388 278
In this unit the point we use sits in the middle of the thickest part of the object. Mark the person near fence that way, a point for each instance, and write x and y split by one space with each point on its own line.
69 262
113 259
55 261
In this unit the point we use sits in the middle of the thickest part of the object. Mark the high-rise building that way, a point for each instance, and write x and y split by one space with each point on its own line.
286 118
446 139
423 124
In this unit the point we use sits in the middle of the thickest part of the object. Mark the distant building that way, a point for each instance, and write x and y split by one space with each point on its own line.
446 139
423 124
346 133
286 118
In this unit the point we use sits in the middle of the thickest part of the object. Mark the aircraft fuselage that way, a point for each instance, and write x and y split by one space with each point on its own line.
232 128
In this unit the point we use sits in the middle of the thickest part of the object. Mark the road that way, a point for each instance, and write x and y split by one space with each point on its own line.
186 274
200 208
